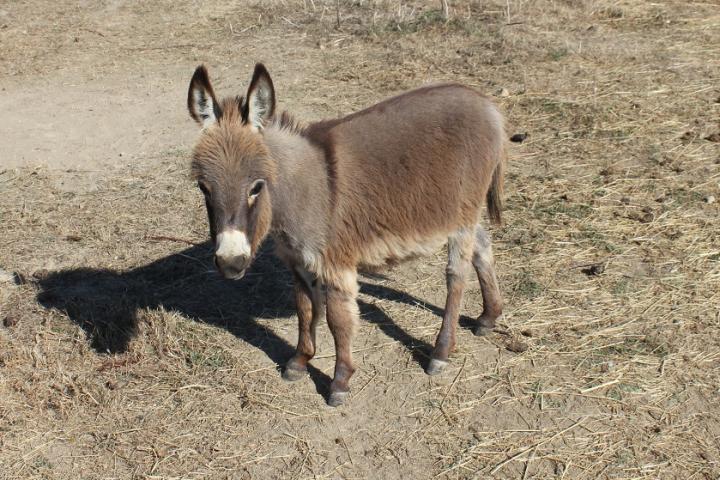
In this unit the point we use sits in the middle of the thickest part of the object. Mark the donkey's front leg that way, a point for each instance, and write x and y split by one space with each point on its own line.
310 307
342 316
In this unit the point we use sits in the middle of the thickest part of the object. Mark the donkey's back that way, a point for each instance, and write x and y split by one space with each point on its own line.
410 171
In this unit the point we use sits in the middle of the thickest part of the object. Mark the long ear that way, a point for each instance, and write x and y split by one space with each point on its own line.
260 104
202 105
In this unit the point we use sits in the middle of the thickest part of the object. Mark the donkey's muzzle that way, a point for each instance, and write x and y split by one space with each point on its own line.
232 268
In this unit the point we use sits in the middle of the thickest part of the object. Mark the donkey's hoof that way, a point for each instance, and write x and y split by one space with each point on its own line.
482 331
293 374
337 398
436 366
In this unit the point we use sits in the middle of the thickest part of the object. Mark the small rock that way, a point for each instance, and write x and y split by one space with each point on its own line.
516 345
504 92
10 321
608 366
111 384
644 216
607 171
713 137
41 274
710 199
594 270
519 137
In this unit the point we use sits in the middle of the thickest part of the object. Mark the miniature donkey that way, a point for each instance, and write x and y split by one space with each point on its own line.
392 181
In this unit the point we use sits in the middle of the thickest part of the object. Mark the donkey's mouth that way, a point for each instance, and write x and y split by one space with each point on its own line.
233 275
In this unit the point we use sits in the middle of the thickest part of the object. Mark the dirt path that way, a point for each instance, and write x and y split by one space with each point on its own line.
105 85
62 123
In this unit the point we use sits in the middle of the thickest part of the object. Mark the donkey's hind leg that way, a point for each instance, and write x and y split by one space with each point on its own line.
460 247
310 308
484 265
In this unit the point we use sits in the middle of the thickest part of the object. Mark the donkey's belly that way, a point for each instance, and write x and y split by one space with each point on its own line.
391 250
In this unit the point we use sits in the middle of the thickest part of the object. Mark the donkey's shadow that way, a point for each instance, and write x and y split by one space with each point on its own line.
105 303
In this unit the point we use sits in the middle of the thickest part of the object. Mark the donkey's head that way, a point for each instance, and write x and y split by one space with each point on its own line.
233 167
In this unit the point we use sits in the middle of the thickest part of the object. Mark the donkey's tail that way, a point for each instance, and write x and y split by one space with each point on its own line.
494 196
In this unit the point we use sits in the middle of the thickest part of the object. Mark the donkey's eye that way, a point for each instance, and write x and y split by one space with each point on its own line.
256 188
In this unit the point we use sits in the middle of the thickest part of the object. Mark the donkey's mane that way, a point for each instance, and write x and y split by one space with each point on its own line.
232 110
286 121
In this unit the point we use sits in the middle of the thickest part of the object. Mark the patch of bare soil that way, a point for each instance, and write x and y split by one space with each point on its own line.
122 354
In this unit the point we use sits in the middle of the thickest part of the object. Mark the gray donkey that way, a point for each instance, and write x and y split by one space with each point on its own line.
392 181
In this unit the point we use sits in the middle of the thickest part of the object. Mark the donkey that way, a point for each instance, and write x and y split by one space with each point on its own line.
392 181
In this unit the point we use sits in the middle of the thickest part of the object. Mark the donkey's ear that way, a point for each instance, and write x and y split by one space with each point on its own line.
260 104
202 105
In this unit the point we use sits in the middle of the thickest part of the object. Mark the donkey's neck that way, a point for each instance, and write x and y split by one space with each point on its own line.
300 193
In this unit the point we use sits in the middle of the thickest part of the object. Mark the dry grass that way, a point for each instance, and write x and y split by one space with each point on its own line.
123 355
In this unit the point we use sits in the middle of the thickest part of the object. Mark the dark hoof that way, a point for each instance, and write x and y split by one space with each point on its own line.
436 366
481 331
293 374
337 398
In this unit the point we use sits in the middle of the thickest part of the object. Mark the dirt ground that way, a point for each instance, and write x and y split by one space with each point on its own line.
123 355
